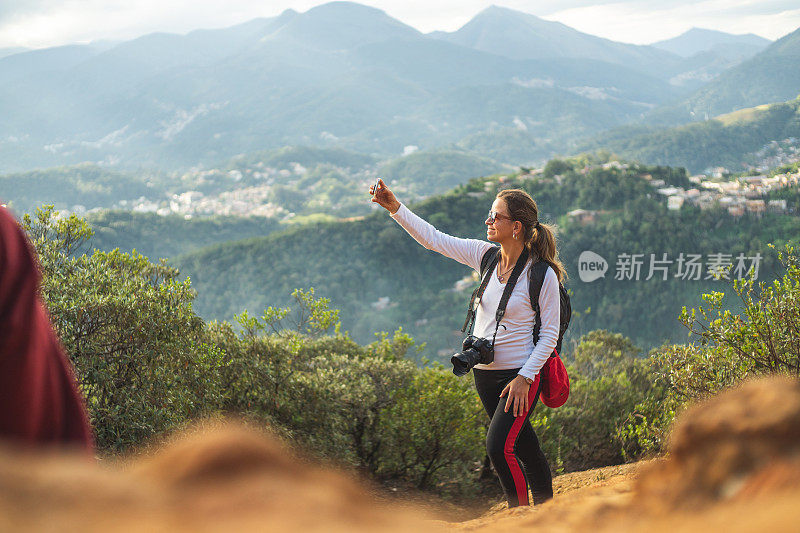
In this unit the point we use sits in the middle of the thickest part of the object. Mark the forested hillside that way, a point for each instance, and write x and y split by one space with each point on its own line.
85 185
156 236
725 140
381 278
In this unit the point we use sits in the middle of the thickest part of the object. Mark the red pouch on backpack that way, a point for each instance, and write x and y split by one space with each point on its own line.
555 382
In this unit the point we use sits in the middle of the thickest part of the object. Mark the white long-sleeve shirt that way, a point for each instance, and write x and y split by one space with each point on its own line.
514 346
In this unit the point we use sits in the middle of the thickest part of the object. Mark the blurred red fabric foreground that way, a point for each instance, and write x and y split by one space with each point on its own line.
39 399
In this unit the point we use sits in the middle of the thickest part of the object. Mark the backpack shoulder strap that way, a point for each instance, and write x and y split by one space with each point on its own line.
488 262
488 257
537 273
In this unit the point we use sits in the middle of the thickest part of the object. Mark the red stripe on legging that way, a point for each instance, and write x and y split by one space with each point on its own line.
508 449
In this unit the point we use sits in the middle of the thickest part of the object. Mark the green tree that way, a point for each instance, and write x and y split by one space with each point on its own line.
140 352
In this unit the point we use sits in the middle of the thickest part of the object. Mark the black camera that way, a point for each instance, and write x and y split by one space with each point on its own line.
474 350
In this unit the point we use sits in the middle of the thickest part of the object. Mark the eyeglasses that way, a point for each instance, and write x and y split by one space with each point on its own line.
493 215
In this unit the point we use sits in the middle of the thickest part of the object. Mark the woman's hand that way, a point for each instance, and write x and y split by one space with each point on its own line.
384 197
517 391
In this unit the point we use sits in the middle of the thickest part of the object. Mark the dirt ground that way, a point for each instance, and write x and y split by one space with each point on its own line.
620 476
733 465
590 490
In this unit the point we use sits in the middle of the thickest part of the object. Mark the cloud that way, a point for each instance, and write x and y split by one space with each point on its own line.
736 7
15 8
50 22
626 21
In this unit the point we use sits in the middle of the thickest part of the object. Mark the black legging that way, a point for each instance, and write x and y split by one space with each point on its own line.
511 440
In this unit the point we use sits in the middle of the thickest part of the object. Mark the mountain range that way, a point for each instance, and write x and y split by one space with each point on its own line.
343 75
727 140
517 35
772 75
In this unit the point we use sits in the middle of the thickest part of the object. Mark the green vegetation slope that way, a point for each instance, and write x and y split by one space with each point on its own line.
359 264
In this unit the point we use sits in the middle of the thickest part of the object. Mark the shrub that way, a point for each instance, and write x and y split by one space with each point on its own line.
435 431
762 339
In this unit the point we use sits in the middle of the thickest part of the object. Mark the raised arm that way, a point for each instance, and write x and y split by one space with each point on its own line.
466 251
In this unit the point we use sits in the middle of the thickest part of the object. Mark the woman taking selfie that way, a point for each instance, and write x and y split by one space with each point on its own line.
508 386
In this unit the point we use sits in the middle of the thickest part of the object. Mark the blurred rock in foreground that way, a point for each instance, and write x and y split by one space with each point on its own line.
733 465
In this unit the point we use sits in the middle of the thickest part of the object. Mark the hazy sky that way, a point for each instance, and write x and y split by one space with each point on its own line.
39 23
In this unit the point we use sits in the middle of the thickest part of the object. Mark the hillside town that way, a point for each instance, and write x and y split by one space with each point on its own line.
775 154
251 191
252 188
255 188
738 195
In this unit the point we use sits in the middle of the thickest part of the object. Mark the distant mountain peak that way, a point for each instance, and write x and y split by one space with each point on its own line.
522 36
697 40
341 6
494 8
495 12
341 25
702 31
352 13
494 21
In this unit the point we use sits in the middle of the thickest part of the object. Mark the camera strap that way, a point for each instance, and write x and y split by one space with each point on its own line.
509 288
478 293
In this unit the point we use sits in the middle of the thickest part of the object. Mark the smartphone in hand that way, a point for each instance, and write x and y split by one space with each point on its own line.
375 188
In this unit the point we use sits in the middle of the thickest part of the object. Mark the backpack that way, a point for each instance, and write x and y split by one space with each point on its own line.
555 381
